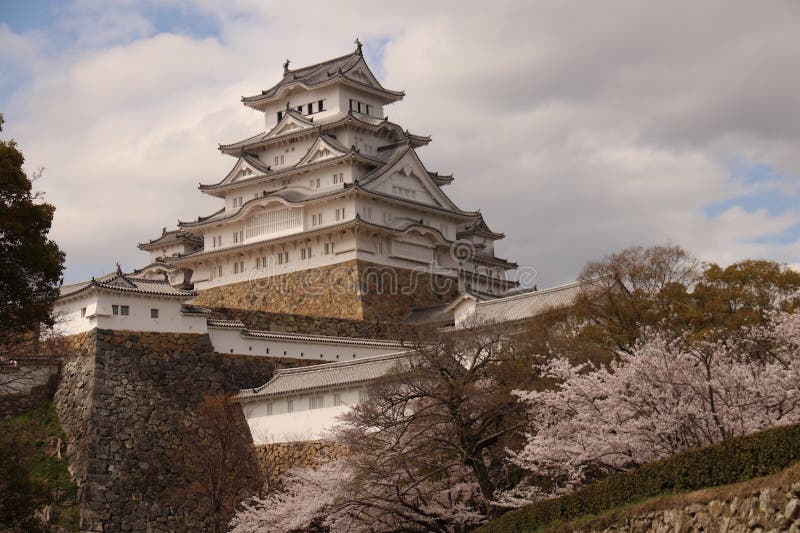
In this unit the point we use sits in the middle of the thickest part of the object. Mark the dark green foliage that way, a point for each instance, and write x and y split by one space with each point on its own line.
30 263
30 478
731 461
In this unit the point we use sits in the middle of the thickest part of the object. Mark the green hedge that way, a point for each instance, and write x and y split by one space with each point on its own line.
731 461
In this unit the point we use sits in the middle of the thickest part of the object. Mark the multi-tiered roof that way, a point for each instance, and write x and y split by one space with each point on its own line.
327 138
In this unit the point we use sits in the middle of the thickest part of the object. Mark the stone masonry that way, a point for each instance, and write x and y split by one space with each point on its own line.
278 458
127 402
329 326
765 510
355 290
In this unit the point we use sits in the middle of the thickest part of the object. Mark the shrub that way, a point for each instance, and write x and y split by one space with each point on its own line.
730 461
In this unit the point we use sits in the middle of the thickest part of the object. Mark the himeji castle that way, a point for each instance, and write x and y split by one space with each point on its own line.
334 188
332 241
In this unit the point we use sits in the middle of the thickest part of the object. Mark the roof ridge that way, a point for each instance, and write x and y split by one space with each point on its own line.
542 292
320 63
338 364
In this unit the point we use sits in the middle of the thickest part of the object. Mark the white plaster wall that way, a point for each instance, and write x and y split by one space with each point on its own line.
302 96
302 423
228 340
346 93
463 311
343 251
168 251
68 315
98 306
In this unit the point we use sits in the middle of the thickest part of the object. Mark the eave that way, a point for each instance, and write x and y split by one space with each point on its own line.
277 92
334 228
180 238
263 140
219 189
496 261
275 195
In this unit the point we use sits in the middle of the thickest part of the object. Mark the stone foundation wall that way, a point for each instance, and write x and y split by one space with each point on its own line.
354 290
335 327
74 401
277 459
247 372
129 403
389 294
770 509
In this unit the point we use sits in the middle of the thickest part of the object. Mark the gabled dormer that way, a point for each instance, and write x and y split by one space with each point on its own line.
405 177
325 147
289 121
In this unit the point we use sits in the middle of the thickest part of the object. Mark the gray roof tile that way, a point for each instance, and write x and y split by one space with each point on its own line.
118 281
326 376
530 304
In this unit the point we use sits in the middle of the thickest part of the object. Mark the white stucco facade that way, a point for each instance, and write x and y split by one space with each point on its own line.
311 417
236 339
126 302
330 180
95 309
304 403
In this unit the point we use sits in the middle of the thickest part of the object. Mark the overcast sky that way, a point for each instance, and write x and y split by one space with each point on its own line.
578 128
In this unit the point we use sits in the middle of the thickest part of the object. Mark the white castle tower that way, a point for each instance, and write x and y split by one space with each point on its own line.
334 188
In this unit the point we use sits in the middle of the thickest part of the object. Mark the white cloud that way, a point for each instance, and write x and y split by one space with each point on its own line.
576 130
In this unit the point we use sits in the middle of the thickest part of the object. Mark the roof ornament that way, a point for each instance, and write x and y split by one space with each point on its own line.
286 67
287 106
119 268
358 47
164 230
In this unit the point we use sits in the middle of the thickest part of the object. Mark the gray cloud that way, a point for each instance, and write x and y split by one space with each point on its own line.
577 130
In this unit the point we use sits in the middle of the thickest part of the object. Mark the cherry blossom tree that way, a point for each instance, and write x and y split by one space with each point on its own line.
427 452
666 396
339 497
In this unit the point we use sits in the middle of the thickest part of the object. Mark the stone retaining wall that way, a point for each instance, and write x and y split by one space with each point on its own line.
354 290
277 459
128 403
329 326
768 509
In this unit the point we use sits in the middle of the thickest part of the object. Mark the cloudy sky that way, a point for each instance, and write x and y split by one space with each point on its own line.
578 128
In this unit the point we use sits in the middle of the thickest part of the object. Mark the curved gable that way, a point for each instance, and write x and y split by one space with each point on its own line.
408 178
322 149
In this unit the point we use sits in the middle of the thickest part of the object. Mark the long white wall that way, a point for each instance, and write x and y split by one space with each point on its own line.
271 420
230 340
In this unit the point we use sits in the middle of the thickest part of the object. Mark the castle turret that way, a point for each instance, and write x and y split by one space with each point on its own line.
332 189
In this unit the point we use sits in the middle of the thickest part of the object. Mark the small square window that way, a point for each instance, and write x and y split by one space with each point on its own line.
153 313
363 396
289 406
83 312
114 309
337 398
124 310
